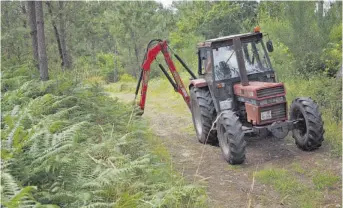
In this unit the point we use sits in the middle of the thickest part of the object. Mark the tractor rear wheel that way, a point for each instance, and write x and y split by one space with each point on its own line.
308 132
231 138
203 114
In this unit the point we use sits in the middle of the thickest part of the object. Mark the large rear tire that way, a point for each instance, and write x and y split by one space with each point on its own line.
203 114
231 138
308 132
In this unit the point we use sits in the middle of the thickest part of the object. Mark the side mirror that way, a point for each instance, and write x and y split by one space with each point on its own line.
270 46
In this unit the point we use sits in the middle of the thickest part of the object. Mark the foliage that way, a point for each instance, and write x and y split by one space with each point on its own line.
326 91
75 147
65 143
300 26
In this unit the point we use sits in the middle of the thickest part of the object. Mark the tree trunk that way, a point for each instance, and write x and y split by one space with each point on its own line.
320 12
43 59
23 10
130 55
115 70
136 53
57 35
32 21
339 73
137 59
66 57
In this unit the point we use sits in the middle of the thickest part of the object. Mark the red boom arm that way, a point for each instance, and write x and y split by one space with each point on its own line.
150 57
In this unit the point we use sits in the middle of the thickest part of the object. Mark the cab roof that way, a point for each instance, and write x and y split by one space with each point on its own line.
226 40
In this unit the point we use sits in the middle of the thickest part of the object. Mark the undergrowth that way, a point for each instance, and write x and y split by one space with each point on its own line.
293 192
296 193
325 91
65 144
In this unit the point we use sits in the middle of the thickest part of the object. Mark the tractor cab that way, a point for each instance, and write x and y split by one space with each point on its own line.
237 64
235 57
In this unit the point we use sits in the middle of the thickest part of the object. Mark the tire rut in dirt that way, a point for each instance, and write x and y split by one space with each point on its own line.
309 134
204 113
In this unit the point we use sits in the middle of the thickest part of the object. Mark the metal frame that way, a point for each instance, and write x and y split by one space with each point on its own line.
149 57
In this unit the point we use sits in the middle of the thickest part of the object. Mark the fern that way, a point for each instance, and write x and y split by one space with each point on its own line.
99 205
11 194
71 142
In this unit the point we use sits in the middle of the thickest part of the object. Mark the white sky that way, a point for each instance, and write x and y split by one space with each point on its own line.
166 3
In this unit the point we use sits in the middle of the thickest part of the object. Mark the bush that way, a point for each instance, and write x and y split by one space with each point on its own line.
127 78
326 91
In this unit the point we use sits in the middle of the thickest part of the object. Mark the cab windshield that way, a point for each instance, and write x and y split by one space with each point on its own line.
225 60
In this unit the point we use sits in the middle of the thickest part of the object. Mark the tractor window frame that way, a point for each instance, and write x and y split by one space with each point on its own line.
209 62
204 54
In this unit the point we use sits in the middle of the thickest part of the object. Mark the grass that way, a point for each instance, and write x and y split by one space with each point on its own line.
158 149
297 168
189 129
324 180
299 187
158 89
293 192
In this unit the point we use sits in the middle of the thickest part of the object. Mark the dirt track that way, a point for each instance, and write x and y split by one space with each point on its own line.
230 186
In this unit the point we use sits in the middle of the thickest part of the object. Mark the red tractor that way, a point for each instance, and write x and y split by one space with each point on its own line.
237 93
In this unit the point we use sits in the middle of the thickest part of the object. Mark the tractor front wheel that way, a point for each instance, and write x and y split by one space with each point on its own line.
203 114
231 138
308 131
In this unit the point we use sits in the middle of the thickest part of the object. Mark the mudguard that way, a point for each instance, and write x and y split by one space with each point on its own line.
198 83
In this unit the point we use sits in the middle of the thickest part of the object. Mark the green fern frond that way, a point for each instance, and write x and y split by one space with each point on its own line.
9 187
11 194
66 102
22 198
16 125
100 205
54 151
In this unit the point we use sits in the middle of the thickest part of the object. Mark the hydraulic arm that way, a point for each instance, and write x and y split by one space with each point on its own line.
150 56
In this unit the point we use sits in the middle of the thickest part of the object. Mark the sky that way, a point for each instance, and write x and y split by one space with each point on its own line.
166 3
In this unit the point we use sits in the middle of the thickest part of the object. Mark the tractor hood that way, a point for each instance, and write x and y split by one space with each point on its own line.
259 90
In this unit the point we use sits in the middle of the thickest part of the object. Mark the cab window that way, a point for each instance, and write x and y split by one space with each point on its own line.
208 62
203 60
225 63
